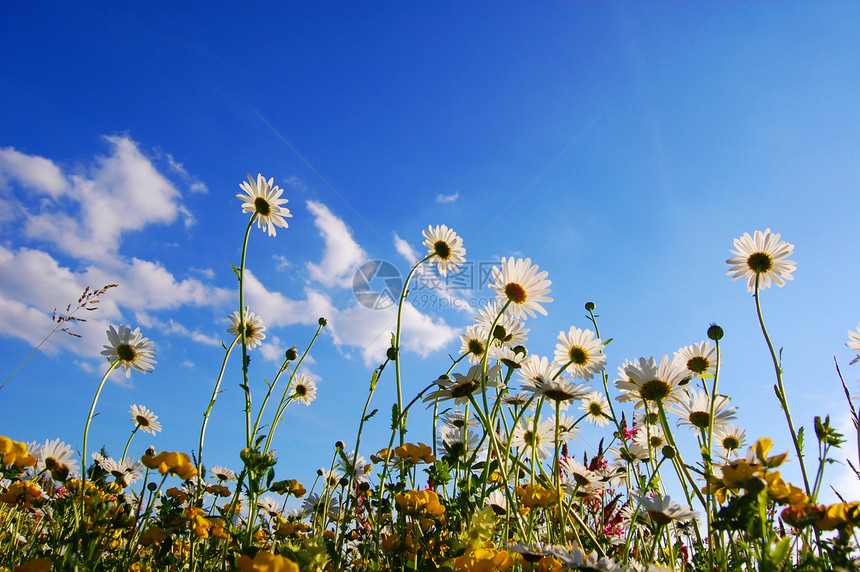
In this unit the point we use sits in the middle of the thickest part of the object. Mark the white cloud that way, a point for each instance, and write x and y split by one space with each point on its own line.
440 198
342 255
32 172
271 350
87 214
353 326
195 185
405 249
295 183
281 262
32 283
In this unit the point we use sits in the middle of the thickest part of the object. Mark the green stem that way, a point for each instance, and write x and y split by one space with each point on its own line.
709 462
208 412
87 432
127 443
783 401
396 346
243 333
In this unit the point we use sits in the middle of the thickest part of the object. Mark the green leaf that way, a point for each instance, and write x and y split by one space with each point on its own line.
780 552
369 415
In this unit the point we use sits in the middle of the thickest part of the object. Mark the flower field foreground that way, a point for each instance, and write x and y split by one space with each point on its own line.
498 485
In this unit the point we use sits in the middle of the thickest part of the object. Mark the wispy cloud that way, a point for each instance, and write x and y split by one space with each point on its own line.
32 172
85 215
342 254
440 198
405 249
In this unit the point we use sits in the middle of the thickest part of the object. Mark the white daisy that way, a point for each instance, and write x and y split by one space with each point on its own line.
270 505
145 419
509 331
473 343
764 256
567 429
577 475
697 360
520 283
497 501
130 348
730 438
445 247
457 442
457 418
581 352
331 477
695 411
264 201
222 473
854 343
559 390
534 367
661 510
648 381
254 328
652 438
596 407
54 457
304 389
314 504
350 462
463 386
508 356
534 440
125 471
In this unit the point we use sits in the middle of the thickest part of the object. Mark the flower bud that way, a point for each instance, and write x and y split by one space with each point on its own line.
339 445
589 306
391 354
715 332
323 322
668 452
292 353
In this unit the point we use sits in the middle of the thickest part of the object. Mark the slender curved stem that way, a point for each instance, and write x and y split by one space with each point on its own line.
243 334
127 443
396 346
87 430
780 389
206 415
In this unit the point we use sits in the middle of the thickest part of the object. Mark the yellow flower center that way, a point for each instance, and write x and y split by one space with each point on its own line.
476 347
730 444
698 364
262 206
515 293
466 388
301 390
442 249
654 390
700 419
760 262
578 355
125 352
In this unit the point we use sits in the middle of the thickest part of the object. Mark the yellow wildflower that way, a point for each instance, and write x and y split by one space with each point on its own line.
15 453
266 562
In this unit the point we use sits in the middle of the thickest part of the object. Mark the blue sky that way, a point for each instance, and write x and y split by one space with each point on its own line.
620 146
